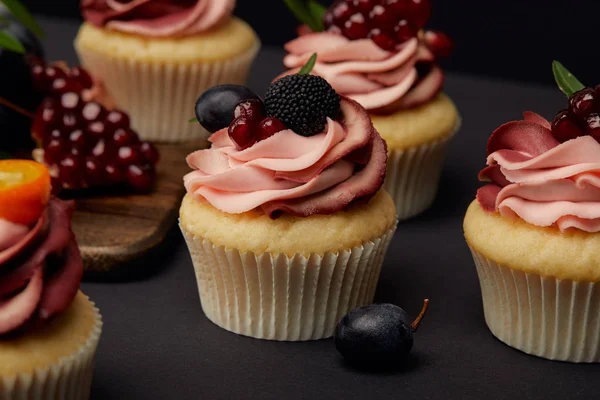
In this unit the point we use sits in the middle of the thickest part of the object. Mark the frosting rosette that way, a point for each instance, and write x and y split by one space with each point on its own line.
540 180
289 173
158 18
381 81
40 268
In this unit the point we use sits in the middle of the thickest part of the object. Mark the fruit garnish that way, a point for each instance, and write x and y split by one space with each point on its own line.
303 102
214 108
377 333
582 117
24 190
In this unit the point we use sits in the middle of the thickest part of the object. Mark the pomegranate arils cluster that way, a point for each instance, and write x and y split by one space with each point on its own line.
83 143
582 117
387 22
250 125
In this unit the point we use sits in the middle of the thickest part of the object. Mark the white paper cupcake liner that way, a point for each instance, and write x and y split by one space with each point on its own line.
69 379
413 176
160 97
541 316
277 297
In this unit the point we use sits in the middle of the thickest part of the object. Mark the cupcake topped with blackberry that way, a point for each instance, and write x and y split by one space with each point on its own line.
290 181
534 229
378 53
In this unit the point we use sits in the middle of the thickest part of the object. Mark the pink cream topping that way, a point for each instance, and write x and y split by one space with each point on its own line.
540 180
40 269
158 18
290 173
379 80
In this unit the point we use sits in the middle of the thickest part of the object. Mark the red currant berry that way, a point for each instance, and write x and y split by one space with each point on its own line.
124 137
77 139
54 150
583 102
82 77
117 119
383 40
355 27
141 177
241 132
92 111
94 171
69 122
128 155
103 151
70 171
113 174
97 129
439 43
71 102
364 6
564 128
150 153
382 17
268 127
341 12
404 31
53 73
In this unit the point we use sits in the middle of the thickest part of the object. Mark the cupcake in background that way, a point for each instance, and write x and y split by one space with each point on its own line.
285 218
155 56
377 53
534 230
49 330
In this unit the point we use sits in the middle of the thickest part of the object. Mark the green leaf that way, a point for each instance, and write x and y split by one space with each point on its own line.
193 120
310 64
4 155
9 42
565 79
21 13
301 12
317 11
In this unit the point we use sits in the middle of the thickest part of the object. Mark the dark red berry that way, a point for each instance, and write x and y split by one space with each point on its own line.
70 171
593 126
341 12
77 139
94 172
54 150
125 137
128 155
382 17
334 29
564 128
113 174
82 77
364 6
103 151
383 40
150 152
421 11
97 129
53 73
141 177
93 111
241 132
250 109
356 27
583 102
404 31
268 127
71 102
117 119
40 80
69 122
65 85
439 43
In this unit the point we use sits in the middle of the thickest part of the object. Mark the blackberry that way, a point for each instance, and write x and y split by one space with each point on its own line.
302 103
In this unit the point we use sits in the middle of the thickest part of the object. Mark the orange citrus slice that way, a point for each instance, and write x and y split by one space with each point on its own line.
24 191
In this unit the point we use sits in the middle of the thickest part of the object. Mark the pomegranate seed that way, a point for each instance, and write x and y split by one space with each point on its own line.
364 6
82 77
251 109
382 17
593 126
53 73
40 80
70 171
328 20
54 134
117 119
399 7
77 139
439 43
241 132
103 151
128 155
92 111
64 85
113 174
334 29
383 40
97 129
583 102
268 127
355 27
404 31
54 150
420 12
46 119
141 177
124 137
150 153
71 102
563 127
69 122
94 172
341 12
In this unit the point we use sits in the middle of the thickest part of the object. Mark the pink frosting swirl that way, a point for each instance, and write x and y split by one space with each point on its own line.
40 268
158 18
540 180
381 81
290 173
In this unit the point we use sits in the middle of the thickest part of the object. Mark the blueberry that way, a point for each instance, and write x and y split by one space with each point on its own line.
376 333
214 108
16 84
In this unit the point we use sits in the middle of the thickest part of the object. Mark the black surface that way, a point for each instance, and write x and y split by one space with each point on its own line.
157 343
514 39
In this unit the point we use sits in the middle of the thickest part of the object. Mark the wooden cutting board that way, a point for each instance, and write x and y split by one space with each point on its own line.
116 231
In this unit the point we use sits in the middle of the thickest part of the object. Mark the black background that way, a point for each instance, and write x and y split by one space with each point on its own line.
513 39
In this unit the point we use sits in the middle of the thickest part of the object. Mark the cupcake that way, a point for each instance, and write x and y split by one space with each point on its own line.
284 217
379 56
49 330
154 56
534 231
